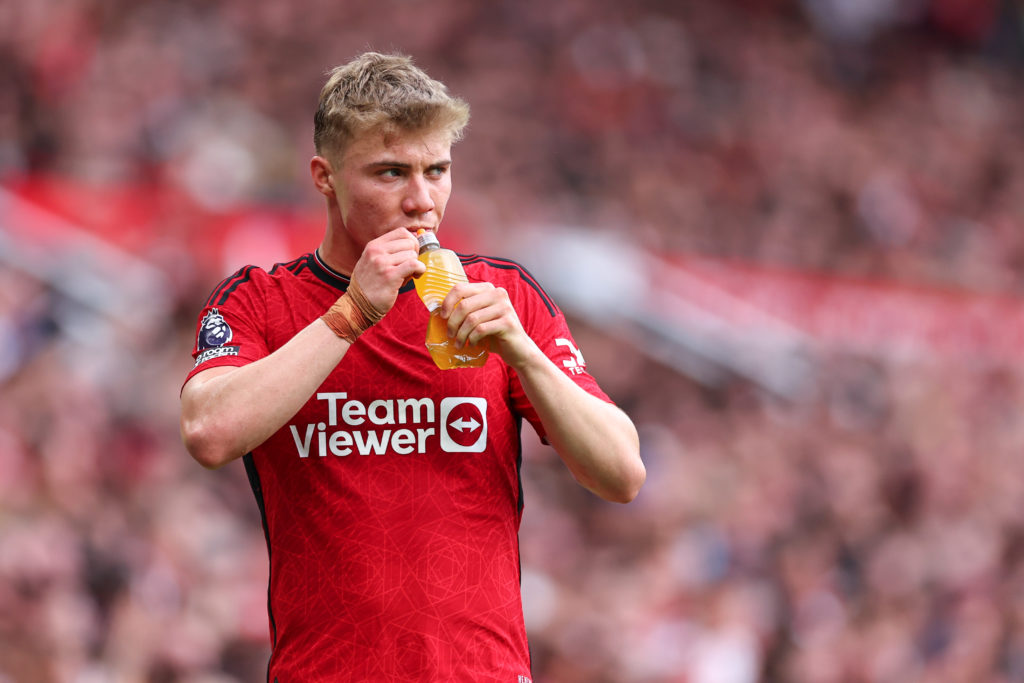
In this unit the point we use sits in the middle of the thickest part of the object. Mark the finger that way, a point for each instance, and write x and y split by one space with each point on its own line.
462 291
410 269
397 248
480 324
381 274
458 304
484 314
418 268
397 241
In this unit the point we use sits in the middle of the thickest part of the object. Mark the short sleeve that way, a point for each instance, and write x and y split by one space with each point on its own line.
546 325
231 327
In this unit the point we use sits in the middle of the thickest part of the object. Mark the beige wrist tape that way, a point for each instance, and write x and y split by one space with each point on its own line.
352 314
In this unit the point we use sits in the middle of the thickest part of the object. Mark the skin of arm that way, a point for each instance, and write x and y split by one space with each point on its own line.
228 411
596 440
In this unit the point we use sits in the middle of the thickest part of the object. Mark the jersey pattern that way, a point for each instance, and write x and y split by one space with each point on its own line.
391 501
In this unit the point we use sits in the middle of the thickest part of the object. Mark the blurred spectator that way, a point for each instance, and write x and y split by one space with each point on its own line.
869 533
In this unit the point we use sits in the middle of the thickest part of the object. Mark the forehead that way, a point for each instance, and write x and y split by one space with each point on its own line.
394 144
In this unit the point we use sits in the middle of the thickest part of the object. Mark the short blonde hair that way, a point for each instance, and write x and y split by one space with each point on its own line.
377 90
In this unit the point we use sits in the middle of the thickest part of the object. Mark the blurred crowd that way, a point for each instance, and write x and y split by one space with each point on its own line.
872 531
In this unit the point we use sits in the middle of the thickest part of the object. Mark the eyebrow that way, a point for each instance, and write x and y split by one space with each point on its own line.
402 164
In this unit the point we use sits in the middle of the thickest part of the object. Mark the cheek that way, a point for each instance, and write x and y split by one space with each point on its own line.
441 196
362 208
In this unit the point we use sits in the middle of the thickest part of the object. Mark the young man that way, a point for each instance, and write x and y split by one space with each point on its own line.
389 489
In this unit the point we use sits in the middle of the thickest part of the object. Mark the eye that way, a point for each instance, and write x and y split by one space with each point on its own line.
390 173
437 171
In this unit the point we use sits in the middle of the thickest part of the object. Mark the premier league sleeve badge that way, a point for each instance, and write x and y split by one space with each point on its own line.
214 334
214 331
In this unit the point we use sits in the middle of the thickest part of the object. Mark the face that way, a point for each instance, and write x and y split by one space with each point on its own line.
392 180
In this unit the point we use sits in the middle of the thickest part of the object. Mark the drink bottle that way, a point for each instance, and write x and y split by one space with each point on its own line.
444 271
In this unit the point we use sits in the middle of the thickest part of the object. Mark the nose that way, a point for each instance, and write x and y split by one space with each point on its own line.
417 200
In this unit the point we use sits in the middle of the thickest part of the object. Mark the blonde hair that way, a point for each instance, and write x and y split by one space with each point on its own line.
377 90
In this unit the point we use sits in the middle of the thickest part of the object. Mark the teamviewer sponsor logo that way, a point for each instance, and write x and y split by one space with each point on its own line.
463 424
402 426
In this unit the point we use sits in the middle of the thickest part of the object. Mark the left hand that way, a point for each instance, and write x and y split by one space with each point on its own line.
479 311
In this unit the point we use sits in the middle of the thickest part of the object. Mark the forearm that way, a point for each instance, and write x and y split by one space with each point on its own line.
596 440
227 414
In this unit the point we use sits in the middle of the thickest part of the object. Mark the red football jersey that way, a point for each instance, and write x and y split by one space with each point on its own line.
391 501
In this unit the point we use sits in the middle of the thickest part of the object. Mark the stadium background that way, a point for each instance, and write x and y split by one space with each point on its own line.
788 236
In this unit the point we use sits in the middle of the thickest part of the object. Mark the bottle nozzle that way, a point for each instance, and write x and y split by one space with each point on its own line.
426 240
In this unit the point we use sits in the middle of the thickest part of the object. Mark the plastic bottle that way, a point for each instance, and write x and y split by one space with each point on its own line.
444 271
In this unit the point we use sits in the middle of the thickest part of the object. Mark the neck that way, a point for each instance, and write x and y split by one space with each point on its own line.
336 250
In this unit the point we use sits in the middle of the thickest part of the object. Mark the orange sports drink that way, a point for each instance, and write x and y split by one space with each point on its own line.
444 271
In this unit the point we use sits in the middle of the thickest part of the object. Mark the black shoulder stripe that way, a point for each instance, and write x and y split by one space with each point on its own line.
294 266
508 264
228 282
217 289
225 288
238 281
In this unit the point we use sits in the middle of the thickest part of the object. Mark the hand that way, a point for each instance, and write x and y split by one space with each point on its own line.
387 263
479 311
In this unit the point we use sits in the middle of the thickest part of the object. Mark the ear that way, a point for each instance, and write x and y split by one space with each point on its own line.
321 171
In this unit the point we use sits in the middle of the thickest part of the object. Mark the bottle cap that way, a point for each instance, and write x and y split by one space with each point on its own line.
426 238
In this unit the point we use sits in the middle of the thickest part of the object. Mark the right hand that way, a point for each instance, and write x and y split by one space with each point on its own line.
386 264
